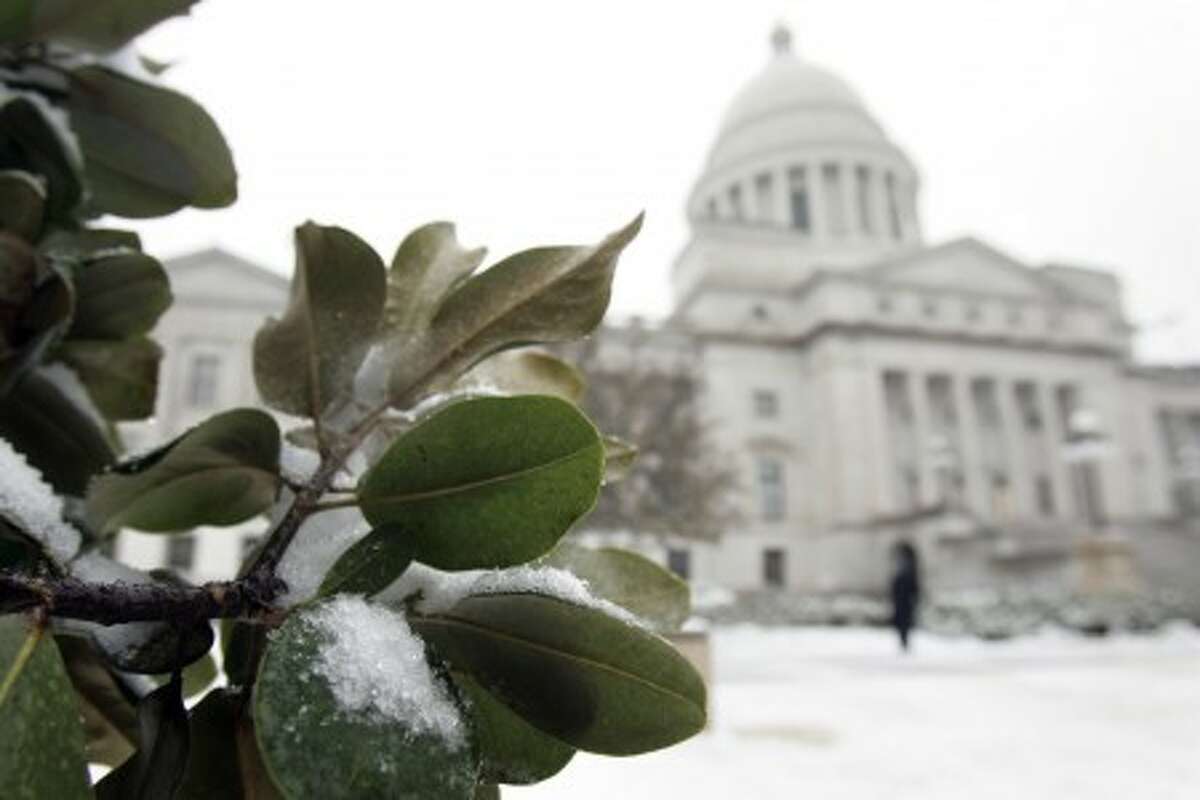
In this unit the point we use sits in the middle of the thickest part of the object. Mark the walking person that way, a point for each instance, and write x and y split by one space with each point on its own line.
906 590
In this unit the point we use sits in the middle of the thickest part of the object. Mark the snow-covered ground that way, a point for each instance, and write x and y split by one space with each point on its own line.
838 713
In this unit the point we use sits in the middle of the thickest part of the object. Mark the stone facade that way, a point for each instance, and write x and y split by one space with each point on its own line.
867 385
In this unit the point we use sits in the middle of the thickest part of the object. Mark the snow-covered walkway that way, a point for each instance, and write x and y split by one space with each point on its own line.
838 713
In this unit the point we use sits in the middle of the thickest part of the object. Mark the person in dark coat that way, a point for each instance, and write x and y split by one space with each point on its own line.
906 590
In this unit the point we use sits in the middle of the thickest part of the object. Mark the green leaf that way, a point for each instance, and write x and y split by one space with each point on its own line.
22 204
58 437
486 483
302 361
100 25
630 580
119 296
528 372
41 749
487 791
221 472
427 266
370 565
84 243
151 648
242 645
29 142
28 332
315 748
107 703
224 759
619 458
157 769
548 294
575 673
510 750
121 377
147 150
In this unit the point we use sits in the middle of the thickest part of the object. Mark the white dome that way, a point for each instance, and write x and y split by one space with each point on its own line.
792 102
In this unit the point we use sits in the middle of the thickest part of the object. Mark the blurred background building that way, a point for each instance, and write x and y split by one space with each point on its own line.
852 383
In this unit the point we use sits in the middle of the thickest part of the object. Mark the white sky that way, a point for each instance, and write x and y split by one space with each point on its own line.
1054 129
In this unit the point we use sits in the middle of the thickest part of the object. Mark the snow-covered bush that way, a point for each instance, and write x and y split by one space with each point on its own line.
412 625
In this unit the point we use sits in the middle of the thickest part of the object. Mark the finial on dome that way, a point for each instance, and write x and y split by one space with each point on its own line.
781 40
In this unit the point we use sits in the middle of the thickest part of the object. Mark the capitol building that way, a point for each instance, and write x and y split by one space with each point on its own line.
866 384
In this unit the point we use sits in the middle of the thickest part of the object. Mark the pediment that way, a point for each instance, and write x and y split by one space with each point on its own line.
212 274
965 265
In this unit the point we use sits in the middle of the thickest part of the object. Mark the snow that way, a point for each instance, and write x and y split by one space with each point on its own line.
376 666
318 544
839 713
438 591
29 503
297 464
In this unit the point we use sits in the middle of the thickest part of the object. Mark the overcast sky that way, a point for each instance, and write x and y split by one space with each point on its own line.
1064 130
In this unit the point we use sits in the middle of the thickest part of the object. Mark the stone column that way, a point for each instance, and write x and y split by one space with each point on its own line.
919 398
1060 473
977 488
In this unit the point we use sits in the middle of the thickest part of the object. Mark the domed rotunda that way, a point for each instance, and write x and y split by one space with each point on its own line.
801 176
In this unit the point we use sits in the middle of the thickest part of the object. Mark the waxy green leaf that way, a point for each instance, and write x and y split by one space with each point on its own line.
147 150
628 579
22 204
121 376
486 483
29 142
548 294
510 750
157 769
371 564
221 472
107 701
57 436
100 25
313 747
41 749
619 458
306 358
575 673
119 296
428 264
527 372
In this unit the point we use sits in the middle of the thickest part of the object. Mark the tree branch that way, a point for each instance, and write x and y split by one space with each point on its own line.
115 603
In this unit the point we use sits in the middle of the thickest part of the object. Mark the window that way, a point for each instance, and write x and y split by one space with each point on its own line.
798 199
774 567
893 202
181 551
735 202
759 311
764 201
863 190
929 307
203 376
987 407
679 561
711 208
1045 495
974 313
884 303
1027 405
835 200
766 404
1015 318
1067 397
771 493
